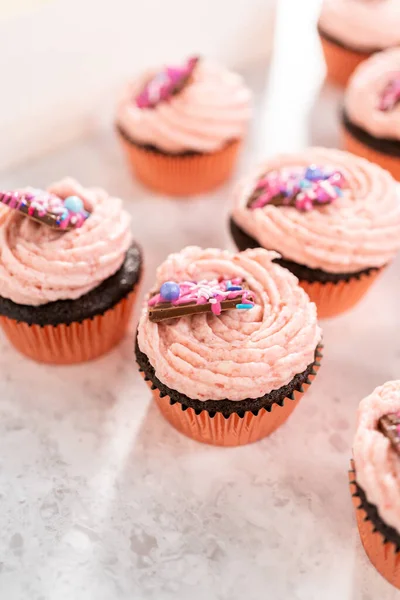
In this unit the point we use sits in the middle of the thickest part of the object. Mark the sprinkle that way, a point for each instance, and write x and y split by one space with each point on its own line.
244 306
234 288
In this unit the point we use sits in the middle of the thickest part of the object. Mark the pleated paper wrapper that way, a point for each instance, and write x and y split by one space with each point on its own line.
386 161
184 175
340 62
332 299
382 553
234 430
73 343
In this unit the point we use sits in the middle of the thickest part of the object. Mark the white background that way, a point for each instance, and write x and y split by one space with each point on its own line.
63 64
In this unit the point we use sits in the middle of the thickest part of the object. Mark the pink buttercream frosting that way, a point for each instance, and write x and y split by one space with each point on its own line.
213 108
376 462
241 353
365 91
39 264
358 230
366 25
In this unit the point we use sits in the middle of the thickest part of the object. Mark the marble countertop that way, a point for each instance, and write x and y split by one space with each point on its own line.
102 500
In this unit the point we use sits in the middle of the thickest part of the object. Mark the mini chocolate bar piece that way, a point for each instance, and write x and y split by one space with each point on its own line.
47 208
188 298
389 425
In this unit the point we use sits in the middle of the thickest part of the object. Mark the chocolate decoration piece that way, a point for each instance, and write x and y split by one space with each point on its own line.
166 83
47 208
199 297
169 311
389 425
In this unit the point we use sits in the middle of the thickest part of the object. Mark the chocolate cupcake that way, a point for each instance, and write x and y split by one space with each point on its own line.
375 479
69 272
334 219
228 343
182 127
371 116
352 30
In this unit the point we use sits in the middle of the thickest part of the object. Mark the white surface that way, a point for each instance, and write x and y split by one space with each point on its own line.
103 500
63 64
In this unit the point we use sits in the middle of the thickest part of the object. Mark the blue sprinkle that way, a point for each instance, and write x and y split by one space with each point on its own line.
338 190
244 306
313 173
304 183
234 288
63 216
73 203
170 291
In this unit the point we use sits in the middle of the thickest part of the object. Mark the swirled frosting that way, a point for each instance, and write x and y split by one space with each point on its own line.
366 25
359 230
365 92
212 109
40 265
376 461
239 354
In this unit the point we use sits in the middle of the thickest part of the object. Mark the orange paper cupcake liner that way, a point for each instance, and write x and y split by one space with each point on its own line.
340 62
181 175
386 161
333 299
382 553
233 430
74 343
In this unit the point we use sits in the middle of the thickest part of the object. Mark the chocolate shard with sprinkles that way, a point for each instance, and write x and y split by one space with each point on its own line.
389 425
303 188
175 300
47 208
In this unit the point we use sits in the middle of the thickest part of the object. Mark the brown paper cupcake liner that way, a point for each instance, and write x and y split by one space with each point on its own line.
383 554
236 429
335 298
183 175
73 343
340 62
386 161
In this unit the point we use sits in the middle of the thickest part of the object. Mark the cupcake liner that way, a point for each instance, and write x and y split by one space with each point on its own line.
73 343
382 553
340 61
181 175
335 298
236 429
386 161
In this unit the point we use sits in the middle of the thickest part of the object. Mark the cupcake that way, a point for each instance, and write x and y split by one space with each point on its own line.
69 272
182 126
334 218
375 479
371 117
228 343
352 30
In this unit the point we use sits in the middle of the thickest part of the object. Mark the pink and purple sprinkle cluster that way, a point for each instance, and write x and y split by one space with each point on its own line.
390 96
212 291
303 188
49 208
164 84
